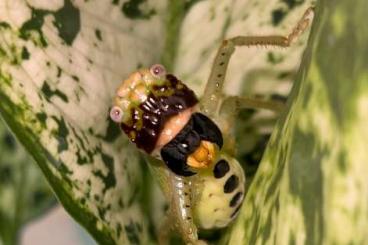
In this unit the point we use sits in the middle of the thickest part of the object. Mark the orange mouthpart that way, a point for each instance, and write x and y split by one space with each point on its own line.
203 156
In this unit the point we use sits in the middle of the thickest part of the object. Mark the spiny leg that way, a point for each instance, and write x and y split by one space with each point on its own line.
213 94
230 108
181 209
236 103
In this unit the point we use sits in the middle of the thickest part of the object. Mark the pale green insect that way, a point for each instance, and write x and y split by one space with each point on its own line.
190 154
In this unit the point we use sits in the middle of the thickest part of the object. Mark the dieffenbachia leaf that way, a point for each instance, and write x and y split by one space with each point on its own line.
312 184
24 193
252 69
60 64
61 61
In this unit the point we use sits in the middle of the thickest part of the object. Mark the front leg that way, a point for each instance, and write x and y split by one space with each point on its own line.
213 93
180 210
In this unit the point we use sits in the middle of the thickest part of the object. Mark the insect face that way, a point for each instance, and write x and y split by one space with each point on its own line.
135 90
147 102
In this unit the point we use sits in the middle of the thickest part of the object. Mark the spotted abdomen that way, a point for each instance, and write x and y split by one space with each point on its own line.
221 195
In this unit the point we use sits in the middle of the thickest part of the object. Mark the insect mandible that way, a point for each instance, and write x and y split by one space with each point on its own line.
202 181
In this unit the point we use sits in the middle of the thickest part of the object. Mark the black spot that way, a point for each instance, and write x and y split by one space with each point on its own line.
131 9
112 131
39 196
235 200
61 134
235 212
48 93
67 21
277 16
25 53
132 233
231 183
35 23
9 141
98 34
293 3
6 174
279 97
221 168
222 63
4 24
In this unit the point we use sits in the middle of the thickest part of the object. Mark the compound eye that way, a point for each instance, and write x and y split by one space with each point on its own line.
116 114
158 70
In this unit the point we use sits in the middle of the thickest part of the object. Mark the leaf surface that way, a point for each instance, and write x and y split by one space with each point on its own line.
61 61
312 185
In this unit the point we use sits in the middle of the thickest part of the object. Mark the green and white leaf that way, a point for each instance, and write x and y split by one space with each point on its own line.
312 185
24 193
60 62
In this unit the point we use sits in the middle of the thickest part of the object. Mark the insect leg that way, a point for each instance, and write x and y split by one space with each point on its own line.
181 208
230 108
235 103
213 93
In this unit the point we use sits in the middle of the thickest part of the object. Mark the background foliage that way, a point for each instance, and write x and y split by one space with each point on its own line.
24 193
60 62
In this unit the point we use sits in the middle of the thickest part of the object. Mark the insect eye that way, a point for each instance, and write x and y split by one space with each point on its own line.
116 114
158 70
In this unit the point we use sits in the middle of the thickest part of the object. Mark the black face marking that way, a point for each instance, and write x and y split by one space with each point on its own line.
231 183
234 201
176 161
221 168
176 152
207 129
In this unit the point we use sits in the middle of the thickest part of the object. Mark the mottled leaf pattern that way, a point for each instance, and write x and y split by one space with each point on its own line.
24 193
60 62
312 185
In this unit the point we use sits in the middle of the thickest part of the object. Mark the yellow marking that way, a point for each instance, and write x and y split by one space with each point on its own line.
203 156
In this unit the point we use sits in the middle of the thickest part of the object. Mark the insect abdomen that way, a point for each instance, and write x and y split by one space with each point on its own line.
222 193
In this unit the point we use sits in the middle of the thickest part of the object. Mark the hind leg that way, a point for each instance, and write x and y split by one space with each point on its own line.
213 94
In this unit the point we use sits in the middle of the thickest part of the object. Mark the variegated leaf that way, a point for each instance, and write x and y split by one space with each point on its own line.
24 193
60 62
312 185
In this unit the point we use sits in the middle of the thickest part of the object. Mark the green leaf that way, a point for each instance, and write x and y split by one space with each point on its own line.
60 64
24 194
61 61
311 187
